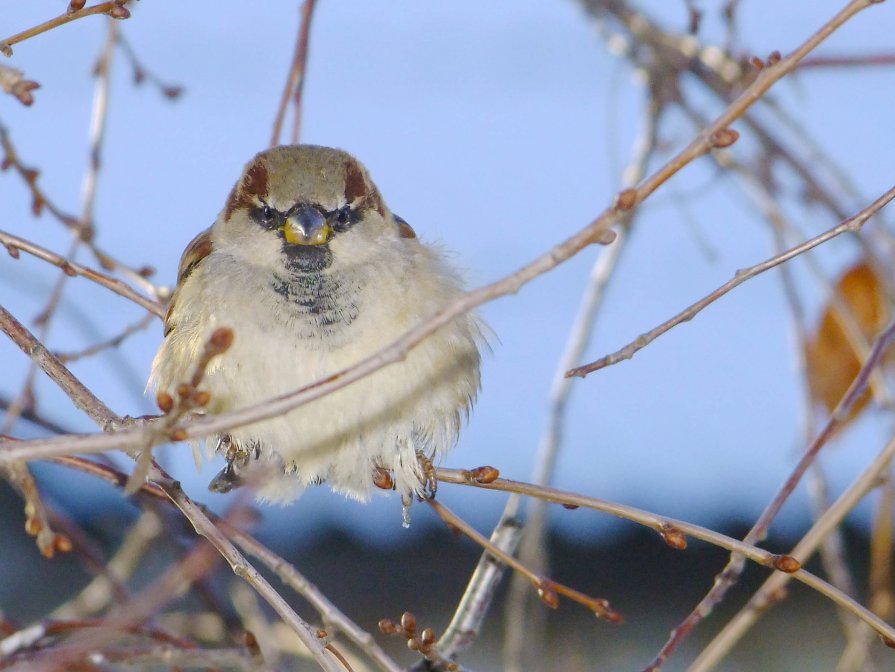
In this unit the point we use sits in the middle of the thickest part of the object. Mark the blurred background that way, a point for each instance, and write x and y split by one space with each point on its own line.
496 129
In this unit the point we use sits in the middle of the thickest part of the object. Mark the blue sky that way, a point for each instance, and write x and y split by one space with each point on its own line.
496 129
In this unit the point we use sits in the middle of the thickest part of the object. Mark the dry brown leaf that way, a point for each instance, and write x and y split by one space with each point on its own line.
832 356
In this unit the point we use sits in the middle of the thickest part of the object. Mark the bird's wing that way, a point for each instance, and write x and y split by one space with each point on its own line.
193 255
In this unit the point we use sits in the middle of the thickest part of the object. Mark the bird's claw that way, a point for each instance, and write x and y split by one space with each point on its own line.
227 478
429 479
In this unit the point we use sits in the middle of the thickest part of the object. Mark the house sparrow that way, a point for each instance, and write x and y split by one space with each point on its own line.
313 273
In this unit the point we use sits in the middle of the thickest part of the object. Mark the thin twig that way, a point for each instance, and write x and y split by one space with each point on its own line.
96 595
89 552
114 9
287 572
13 244
37 518
111 475
671 528
296 77
174 658
104 417
521 639
548 590
27 637
857 340
98 116
302 59
242 568
111 343
734 567
198 562
763 597
141 73
40 201
167 490
37 419
722 75
848 61
469 616
162 486
189 398
82 397
851 224
832 551
856 654
332 616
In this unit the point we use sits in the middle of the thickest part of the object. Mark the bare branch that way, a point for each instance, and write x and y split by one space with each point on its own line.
163 486
97 594
198 562
56 626
14 244
174 658
548 590
115 9
80 395
670 529
597 231
848 61
522 637
111 343
332 616
141 73
242 568
851 224
84 227
824 525
469 616
296 78
100 413
734 567
37 519
40 201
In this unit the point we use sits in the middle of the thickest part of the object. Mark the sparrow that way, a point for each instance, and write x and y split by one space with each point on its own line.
312 273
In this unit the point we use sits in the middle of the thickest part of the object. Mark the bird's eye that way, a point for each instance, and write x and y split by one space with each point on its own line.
267 216
343 217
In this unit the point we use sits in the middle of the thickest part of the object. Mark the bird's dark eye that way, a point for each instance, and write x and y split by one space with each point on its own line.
266 216
343 217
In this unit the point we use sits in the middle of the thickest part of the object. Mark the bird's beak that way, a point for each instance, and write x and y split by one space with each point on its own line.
306 225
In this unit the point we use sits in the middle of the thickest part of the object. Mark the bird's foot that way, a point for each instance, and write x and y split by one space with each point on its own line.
429 481
236 456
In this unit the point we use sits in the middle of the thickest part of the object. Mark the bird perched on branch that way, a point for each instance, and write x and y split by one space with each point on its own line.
313 273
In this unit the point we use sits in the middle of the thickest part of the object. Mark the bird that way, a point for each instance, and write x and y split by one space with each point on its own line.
312 273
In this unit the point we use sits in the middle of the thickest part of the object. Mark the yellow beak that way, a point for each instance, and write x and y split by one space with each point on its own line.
306 226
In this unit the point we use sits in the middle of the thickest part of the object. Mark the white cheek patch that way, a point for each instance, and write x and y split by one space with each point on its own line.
242 239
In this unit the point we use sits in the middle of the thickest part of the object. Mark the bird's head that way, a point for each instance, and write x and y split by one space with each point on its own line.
308 203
